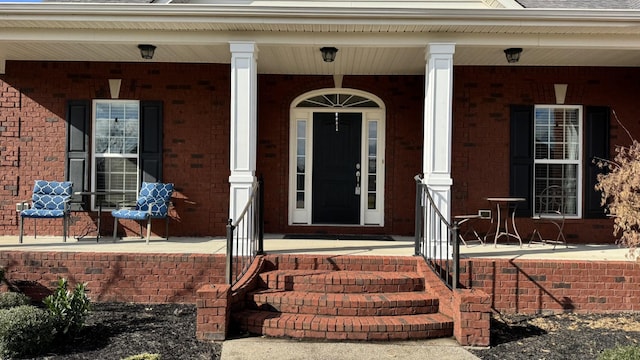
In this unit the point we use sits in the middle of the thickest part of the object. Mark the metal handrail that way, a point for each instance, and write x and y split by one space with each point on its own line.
245 236
436 240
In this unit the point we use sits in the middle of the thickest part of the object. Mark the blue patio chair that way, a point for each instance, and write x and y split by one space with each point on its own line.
50 200
153 202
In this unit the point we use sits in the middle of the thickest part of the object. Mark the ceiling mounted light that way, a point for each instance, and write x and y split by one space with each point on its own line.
328 54
513 54
146 51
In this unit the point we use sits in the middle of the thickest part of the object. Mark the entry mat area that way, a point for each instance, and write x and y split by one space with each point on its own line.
338 237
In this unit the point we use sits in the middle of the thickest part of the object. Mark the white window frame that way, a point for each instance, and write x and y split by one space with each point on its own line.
577 162
95 156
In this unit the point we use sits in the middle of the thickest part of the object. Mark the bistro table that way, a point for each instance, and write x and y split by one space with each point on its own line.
100 195
501 231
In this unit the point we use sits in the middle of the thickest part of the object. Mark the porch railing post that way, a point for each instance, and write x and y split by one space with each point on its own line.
419 225
260 215
455 276
229 265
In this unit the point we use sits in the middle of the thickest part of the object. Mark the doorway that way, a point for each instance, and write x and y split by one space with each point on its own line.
336 161
336 168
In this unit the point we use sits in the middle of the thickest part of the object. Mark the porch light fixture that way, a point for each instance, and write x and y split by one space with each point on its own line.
513 54
146 51
328 54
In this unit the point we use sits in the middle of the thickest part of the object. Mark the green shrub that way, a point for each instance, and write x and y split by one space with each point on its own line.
621 353
25 330
12 299
69 308
145 356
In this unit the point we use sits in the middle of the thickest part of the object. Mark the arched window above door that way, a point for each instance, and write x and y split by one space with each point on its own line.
338 100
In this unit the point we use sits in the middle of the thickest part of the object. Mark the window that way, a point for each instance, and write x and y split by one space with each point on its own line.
112 145
115 154
557 153
546 148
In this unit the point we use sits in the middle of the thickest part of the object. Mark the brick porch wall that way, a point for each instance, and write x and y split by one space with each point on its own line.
546 286
140 278
516 286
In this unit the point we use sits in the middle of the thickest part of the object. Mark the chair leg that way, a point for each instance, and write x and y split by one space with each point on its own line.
64 228
35 229
140 224
21 229
166 230
148 229
115 228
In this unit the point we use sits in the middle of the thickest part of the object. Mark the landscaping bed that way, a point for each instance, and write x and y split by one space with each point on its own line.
117 330
564 336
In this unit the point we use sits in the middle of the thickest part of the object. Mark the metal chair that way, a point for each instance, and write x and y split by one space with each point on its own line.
470 233
153 202
550 209
50 200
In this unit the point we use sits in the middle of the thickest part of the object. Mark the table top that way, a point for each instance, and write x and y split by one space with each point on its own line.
98 192
506 199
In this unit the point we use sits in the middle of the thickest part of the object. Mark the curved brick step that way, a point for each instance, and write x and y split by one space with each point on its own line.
403 303
307 326
325 281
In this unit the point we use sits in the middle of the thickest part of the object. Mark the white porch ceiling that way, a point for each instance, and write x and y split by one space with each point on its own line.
370 41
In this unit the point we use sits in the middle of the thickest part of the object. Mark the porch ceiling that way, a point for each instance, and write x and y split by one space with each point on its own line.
370 41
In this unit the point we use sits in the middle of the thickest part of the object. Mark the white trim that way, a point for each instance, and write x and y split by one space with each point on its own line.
93 176
367 217
578 162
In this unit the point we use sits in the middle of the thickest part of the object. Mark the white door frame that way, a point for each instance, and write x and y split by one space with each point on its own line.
373 116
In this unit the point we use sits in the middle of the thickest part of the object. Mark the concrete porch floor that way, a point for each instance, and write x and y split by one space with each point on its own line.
276 244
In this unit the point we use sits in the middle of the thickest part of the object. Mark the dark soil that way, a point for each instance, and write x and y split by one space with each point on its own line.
565 336
114 331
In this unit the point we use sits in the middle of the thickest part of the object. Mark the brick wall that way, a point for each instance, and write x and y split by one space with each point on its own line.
140 278
196 134
545 286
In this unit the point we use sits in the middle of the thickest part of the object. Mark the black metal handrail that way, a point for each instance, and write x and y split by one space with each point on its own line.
245 236
436 240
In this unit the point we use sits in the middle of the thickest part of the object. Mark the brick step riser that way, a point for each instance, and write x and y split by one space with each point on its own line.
366 328
352 335
328 284
332 263
343 311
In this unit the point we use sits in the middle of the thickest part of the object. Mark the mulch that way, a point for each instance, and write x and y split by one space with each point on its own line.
117 330
561 337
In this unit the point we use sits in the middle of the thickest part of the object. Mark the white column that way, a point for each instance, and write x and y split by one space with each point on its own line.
438 121
244 124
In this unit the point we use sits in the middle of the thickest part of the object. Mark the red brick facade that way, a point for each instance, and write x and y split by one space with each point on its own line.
129 277
196 135
552 286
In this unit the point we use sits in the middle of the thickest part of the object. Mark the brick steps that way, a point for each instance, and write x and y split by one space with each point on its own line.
348 304
308 326
342 298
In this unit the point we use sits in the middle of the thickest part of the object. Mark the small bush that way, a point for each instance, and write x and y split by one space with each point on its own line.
621 353
25 330
69 308
145 356
12 299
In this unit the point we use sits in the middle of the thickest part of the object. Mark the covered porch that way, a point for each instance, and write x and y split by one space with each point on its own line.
278 244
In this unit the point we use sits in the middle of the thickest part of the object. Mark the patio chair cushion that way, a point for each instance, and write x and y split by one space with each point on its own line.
49 199
153 200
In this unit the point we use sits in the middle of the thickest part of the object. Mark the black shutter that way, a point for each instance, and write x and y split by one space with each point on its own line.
151 141
77 160
597 147
521 158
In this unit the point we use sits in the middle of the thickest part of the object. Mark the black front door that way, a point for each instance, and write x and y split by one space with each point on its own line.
336 164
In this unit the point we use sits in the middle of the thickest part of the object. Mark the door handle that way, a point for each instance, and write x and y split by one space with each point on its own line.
357 192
